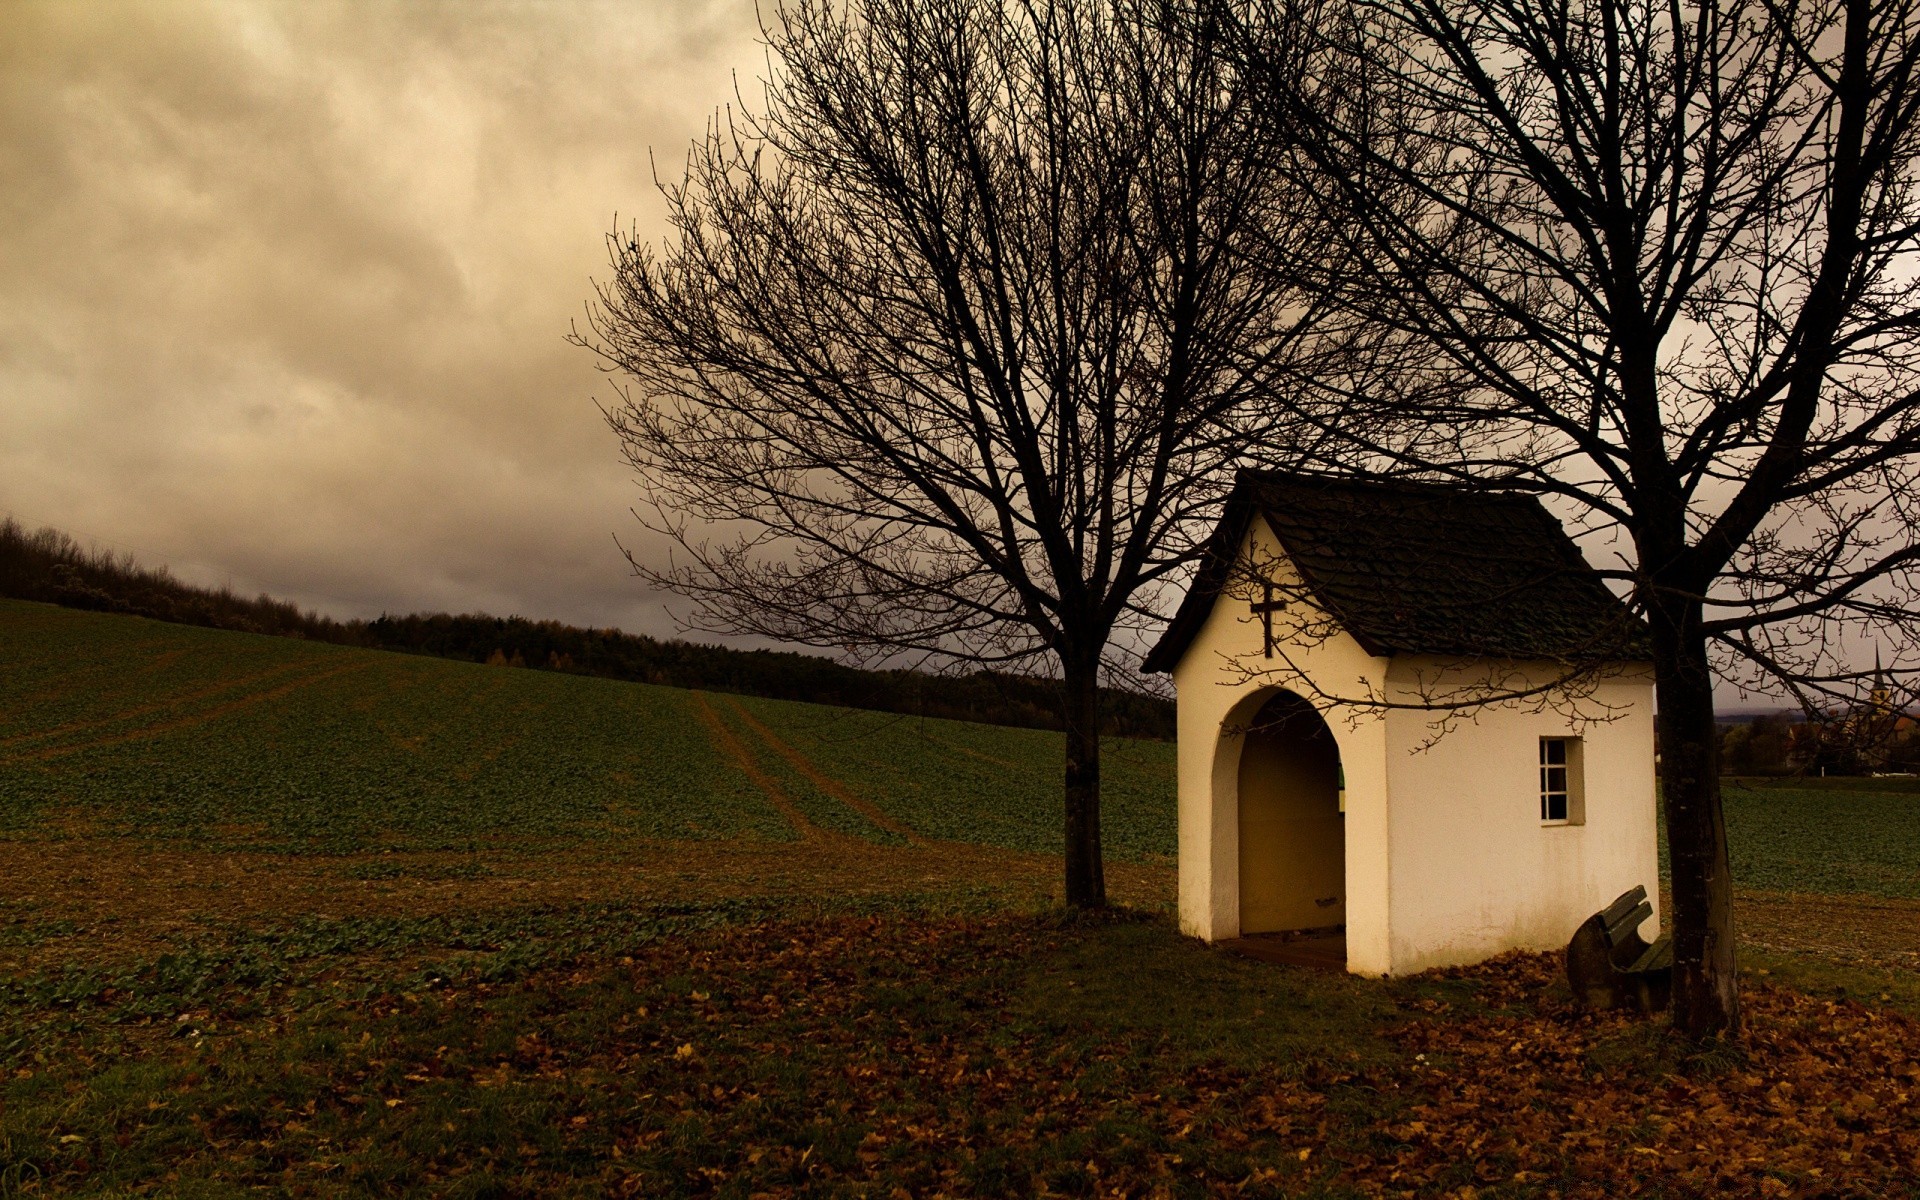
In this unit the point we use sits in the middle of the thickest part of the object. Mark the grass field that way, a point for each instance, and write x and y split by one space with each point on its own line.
311 921
136 727
1836 836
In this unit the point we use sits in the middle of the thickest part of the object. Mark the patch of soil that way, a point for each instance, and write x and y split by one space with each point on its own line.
109 897
86 895
1871 931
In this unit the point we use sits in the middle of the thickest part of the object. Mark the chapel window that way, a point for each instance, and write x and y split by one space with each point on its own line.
1562 799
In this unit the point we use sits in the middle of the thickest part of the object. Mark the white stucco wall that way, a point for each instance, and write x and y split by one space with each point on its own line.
1213 695
1475 870
1447 860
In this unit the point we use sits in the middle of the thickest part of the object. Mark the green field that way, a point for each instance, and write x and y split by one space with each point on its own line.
131 726
1833 836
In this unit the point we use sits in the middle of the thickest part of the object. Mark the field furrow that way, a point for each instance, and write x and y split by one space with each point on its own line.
820 779
186 721
736 753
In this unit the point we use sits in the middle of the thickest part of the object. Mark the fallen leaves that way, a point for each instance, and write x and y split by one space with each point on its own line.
1818 1098
897 1054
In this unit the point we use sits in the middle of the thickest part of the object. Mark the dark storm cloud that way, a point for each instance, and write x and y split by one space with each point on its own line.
283 286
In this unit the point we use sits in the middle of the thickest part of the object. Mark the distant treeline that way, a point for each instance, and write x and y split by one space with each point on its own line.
50 566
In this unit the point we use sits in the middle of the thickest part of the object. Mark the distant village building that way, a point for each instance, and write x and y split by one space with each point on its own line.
1314 794
1871 736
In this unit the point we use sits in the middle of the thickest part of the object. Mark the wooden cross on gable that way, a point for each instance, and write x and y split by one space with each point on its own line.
1266 607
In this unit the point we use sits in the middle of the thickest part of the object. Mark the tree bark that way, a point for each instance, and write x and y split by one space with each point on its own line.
1086 876
1706 1000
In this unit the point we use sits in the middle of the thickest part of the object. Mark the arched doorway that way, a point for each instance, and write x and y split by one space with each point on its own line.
1293 836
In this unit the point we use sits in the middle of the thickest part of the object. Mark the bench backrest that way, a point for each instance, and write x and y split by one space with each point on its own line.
1620 921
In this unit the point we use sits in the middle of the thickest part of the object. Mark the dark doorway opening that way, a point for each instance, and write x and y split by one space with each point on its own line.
1293 836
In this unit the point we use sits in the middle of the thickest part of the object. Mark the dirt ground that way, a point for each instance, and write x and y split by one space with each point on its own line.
1866 931
94 897
108 896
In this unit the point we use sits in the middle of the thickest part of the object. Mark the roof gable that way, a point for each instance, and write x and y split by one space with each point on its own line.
1420 569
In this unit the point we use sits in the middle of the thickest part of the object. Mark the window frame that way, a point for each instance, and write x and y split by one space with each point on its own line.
1571 792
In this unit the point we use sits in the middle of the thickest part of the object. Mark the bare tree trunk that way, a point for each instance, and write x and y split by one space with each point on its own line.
1086 876
1705 995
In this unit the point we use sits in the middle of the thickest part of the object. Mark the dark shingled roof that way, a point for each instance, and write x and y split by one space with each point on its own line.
1421 569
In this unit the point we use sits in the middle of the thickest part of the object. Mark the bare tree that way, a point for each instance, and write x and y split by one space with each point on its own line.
957 334
1666 254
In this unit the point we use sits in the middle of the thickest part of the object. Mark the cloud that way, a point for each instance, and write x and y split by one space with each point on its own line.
283 287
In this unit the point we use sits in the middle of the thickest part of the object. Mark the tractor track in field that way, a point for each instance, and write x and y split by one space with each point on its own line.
956 747
135 713
736 751
72 678
825 782
198 718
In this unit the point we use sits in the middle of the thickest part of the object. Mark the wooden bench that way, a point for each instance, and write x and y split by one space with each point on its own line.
1610 965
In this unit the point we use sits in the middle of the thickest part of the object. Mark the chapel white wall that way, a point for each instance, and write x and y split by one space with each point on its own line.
1476 872
1212 696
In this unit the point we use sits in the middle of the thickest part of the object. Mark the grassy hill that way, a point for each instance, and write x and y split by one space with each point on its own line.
50 566
116 724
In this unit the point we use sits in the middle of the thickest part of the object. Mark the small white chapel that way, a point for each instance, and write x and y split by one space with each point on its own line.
1324 790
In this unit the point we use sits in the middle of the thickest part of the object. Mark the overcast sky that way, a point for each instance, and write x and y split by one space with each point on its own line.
284 286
